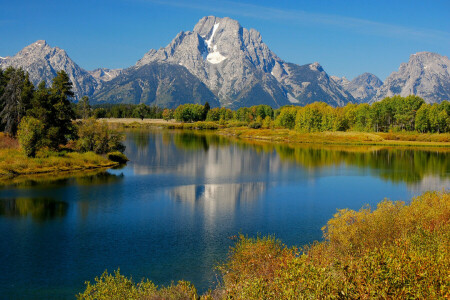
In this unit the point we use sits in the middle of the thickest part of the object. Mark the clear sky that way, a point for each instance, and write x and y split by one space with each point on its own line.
346 37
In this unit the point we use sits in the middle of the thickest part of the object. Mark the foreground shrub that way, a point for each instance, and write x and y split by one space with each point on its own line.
30 134
117 286
97 137
396 251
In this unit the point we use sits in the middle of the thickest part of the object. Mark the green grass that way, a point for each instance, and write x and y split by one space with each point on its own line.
396 251
13 162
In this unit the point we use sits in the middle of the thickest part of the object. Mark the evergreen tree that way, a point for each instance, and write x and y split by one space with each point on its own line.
62 114
16 100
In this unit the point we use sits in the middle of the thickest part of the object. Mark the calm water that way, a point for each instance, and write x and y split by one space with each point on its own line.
169 213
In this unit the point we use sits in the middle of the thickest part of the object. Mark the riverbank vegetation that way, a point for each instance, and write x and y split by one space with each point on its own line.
392 114
398 251
393 121
40 135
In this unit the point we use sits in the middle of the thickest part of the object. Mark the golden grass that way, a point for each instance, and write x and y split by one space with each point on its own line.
405 139
340 138
13 162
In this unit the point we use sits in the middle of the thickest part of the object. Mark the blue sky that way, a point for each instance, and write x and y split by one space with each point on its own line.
346 37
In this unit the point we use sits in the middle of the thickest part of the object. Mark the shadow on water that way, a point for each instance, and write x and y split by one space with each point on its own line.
39 209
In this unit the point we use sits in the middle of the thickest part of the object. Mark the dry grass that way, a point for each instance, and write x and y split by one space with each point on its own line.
7 142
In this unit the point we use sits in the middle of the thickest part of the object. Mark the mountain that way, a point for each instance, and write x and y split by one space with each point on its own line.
426 74
105 74
227 65
160 84
42 62
363 87
241 70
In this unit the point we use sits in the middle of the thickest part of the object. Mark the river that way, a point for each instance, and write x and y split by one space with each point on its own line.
170 213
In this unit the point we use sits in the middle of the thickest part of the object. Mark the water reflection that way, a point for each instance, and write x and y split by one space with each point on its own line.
40 209
211 156
227 195
69 178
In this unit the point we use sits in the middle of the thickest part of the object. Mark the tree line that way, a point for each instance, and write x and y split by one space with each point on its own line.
395 113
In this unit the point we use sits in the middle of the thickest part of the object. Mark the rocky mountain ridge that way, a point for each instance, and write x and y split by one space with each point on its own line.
363 87
426 75
42 62
221 62
241 70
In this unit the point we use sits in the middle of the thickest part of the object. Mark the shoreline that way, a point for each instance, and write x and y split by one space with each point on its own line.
14 165
286 136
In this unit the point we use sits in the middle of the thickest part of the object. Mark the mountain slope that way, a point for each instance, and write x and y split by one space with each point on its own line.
363 87
426 74
239 68
161 84
42 62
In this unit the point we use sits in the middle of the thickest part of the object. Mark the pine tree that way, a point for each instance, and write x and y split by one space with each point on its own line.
62 114
16 99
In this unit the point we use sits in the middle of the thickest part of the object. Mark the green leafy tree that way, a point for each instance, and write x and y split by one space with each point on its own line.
30 134
422 123
140 111
286 118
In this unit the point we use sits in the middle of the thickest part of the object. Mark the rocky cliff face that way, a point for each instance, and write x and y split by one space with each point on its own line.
42 62
363 87
239 68
105 74
160 84
426 75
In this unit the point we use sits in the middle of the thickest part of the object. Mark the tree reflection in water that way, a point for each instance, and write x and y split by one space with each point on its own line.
40 209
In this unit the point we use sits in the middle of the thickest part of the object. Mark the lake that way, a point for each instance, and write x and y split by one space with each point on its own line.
170 213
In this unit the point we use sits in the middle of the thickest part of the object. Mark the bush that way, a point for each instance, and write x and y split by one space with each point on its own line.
97 137
396 251
255 125
30 134
117 157
117 286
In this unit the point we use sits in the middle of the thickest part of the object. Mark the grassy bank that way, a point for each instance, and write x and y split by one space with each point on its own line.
14 162
396 251
340 138
235 129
